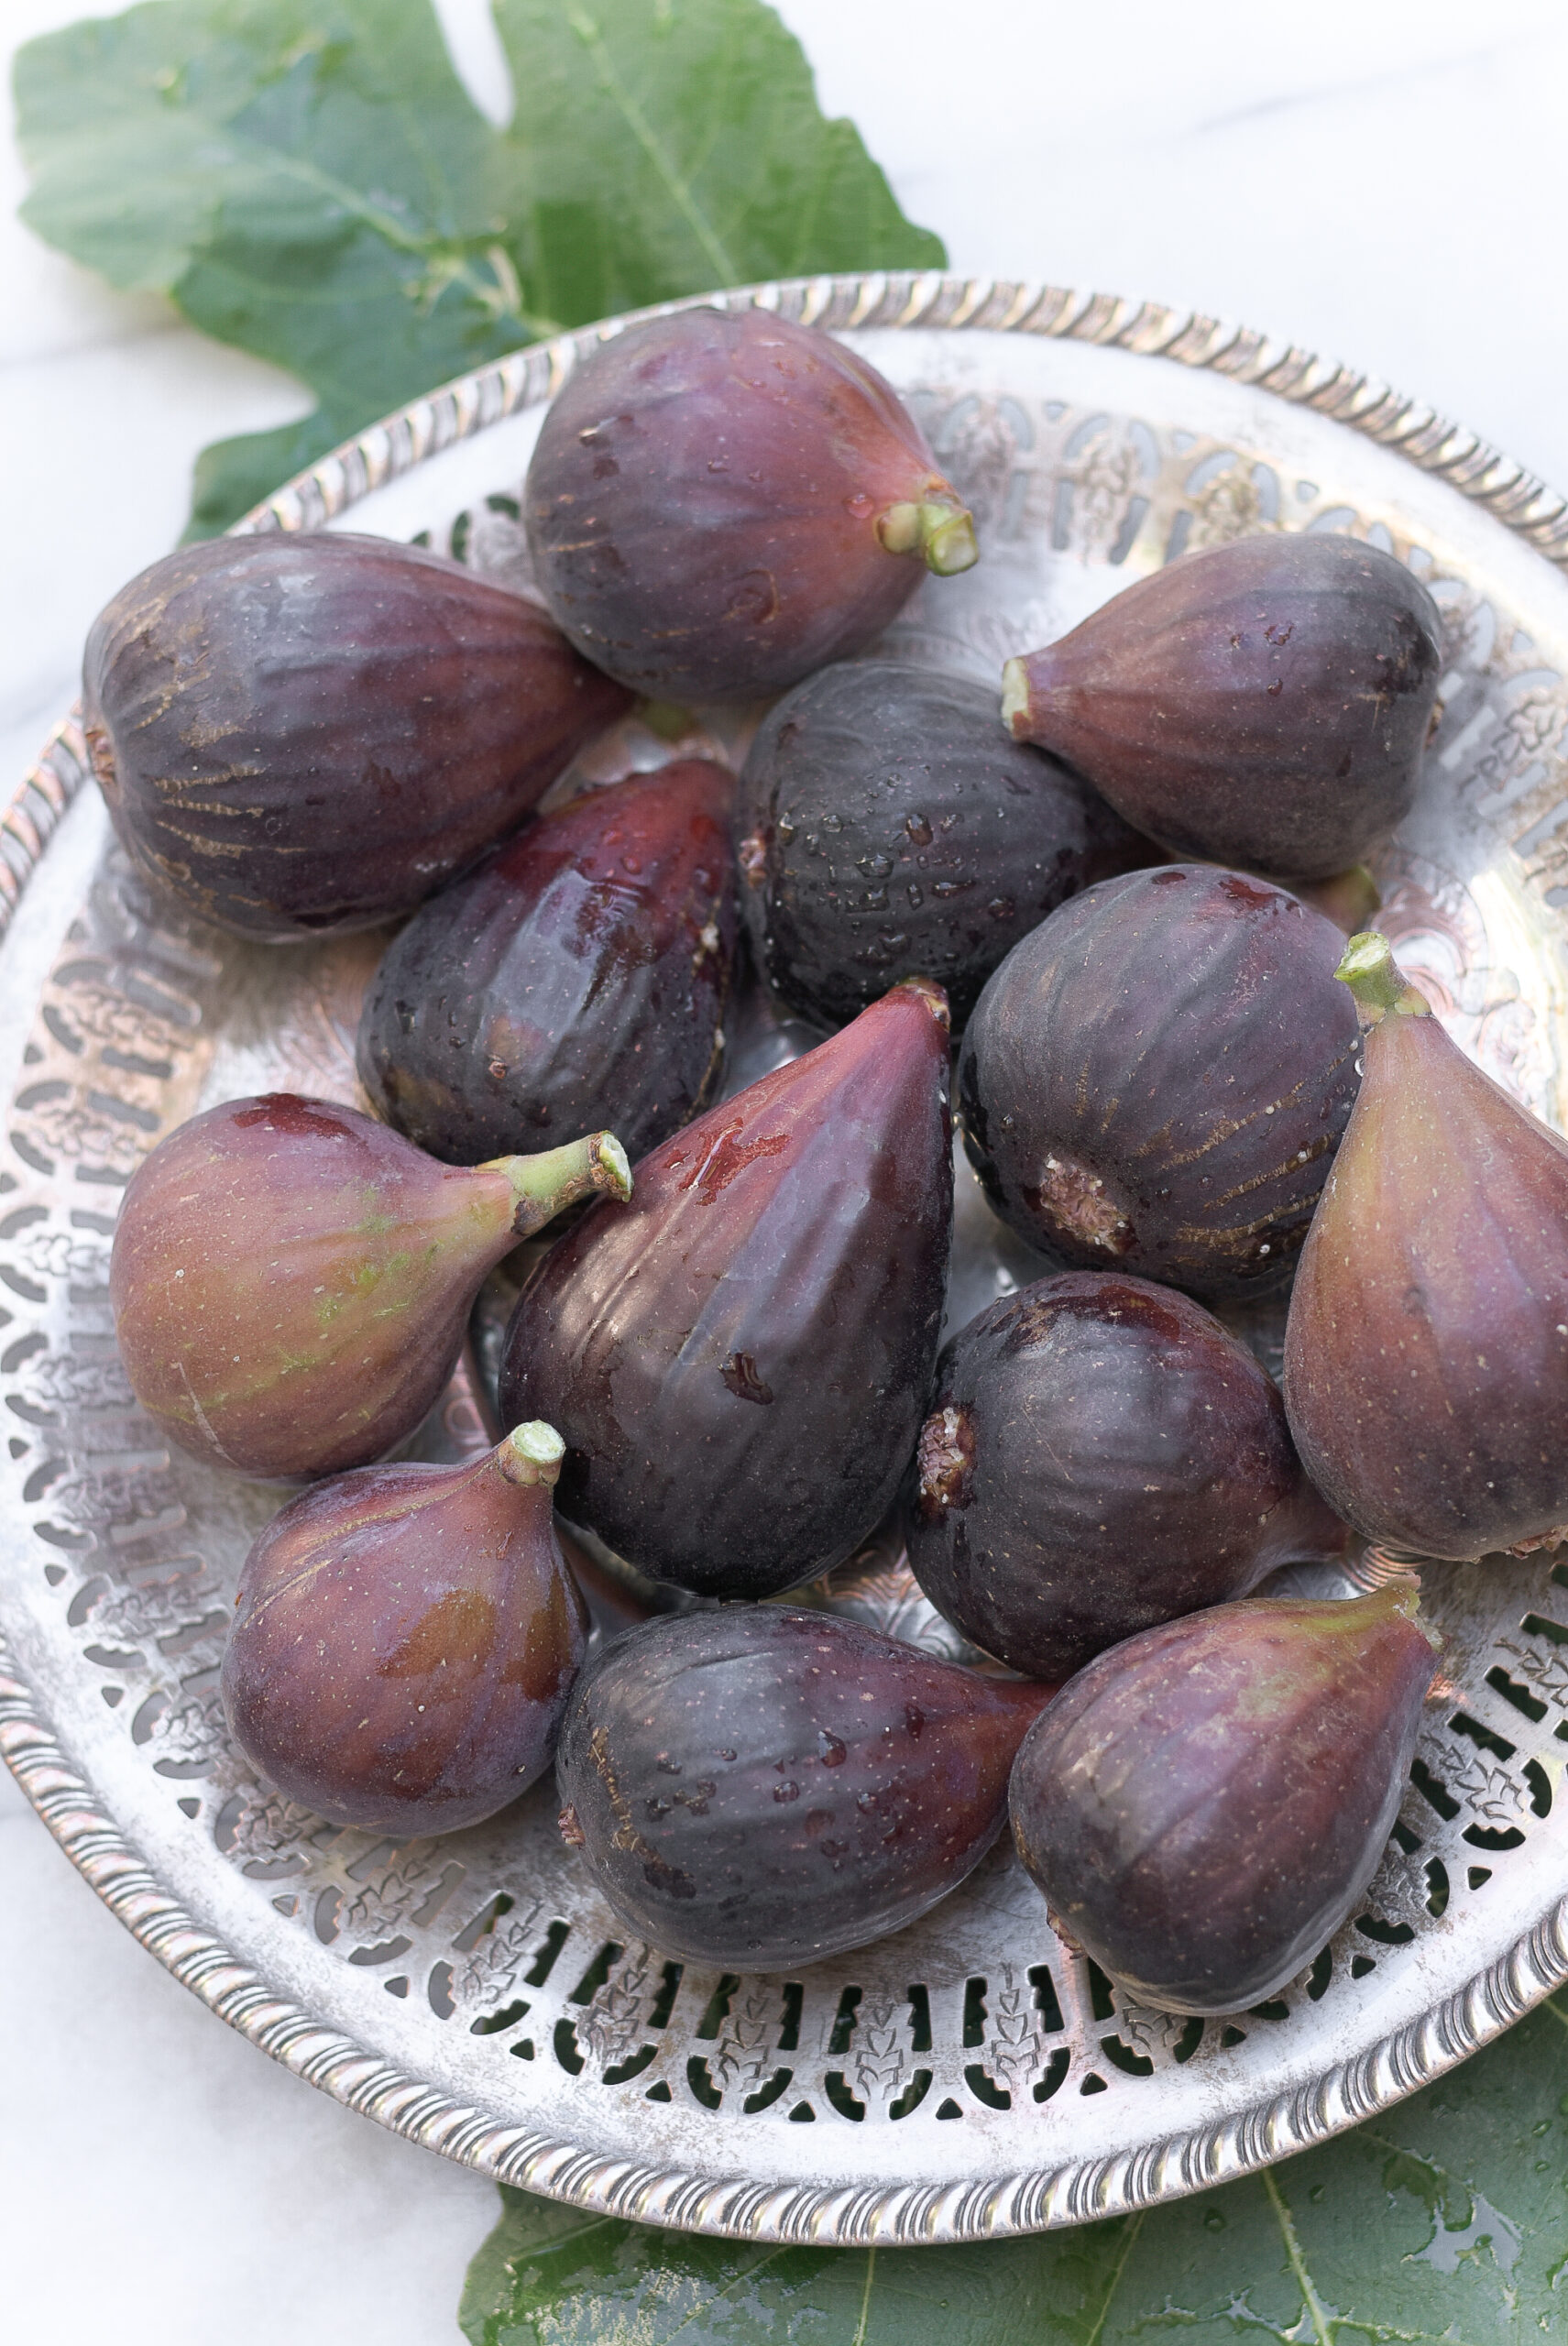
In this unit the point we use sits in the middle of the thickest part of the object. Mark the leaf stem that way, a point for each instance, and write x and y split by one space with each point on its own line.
593 40
1320 2330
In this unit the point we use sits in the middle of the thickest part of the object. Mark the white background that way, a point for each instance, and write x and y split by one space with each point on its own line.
1379 181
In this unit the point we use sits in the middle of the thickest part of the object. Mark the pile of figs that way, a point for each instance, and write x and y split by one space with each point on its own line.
1087 921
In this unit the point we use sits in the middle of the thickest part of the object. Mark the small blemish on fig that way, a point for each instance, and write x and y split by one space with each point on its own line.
945 1461
739 1373
1069 1197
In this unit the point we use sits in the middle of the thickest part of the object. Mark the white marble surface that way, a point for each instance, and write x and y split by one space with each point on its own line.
1377 180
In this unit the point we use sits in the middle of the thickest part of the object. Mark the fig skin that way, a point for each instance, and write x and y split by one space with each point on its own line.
303 734
1158 1076
741 1363
719 503
290 1281
1426 1354
762 1786
405 1639
1100 1456
890 829
579 978
1264 703
1203 1806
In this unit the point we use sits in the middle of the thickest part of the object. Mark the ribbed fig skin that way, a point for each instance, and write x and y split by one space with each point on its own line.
1264 703
405 1643
703 503
578 979
741 1363
1426 1356
1203 1806
303 733
889 828
760 1787
1100 1455
1158 1076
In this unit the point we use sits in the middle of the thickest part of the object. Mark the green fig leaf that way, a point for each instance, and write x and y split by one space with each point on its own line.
309 180
1442 2222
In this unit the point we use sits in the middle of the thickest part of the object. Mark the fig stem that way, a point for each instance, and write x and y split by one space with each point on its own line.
1368 968
545 1185
531 1455
943 534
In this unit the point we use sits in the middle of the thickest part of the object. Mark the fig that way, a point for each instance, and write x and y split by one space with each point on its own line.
1100 1455
762 1786
1426 1354
720 502
305 733
889 829
1203 1806
739 1364
1264 703
405 1638
579 978
290 1281
1158 1075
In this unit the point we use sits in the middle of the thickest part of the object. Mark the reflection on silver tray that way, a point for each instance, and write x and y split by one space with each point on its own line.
970 2076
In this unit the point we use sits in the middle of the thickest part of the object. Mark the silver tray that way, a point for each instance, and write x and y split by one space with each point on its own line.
968 2077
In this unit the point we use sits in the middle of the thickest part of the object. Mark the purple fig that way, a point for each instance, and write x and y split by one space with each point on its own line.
1203 1806
300 734
1158 1077
1426 1357
1102 1455
760 1787
579 978
405 1639
720 502
290 1281
741 1363
1264 703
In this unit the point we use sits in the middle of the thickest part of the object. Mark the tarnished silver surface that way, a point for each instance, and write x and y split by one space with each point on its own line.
967 2076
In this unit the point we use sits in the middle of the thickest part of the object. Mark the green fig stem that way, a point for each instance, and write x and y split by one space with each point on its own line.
943 534
1368 968
531 1455
545 1185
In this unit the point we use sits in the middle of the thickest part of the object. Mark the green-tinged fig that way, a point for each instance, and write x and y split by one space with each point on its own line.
405 1638
1100 1455
720 502
1203 1806
1158 1077
889 829
290 1281
1264 703
741 1363
762 1786
579 978
1426 1357
300 733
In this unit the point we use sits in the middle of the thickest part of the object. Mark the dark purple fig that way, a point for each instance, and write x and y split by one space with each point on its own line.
405 1639
1426 1358
721 502
300 734
1264 703
1159 1076
290 1281
577 979
1203 1806
762 1786
890 829
741 1363
1100 1455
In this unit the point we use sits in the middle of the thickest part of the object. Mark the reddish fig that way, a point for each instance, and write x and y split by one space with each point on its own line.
306 734
1203 1806
720 502
405 1639
741 1363
1426 1358
759 1787
1100 1455
1159 1076
1264 703
290 1281
577 979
